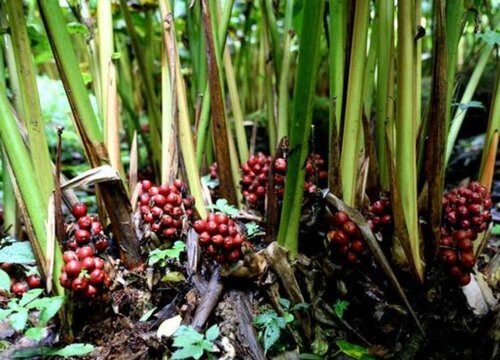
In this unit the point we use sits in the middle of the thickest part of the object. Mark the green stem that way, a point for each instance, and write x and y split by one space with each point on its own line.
354 103
405 129
305 84
275 42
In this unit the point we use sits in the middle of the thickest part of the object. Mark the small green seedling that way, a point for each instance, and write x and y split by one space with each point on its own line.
160 257
223 206
192 344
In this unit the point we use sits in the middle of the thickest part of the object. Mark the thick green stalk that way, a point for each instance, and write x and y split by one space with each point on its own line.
417 64
406 132
283 97
168 149
354 103
371 63
205 107
267 8
268 87
385 20
105 44
25 177
300 129
493 122
30 102
459 116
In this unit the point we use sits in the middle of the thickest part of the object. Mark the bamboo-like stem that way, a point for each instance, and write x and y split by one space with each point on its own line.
150 95
105 46
184 124
417 65
274 39
493 122
459 116
406 172
88 128
369 80
354 103
284 97
300 128
268 85
384 47
29 100
205 107
29 189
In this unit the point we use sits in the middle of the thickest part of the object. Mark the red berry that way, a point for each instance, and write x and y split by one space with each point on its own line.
228 242
464 244
153 191
84 251
99 263
467 259
96 277
340 218
69 255
88 264
80 285
448 256
460 235
446 241
91 293
341 238
217 240
20 288
280 165
234 255
64 280
252 198
238 240
464 279
456 271
79 210
351 257
212 227
96 227
223 229
73 268
82 236
204 238
357 246
146 185
101 244
159 200
378 207
350 228
72 245
85 222
144 199
170 232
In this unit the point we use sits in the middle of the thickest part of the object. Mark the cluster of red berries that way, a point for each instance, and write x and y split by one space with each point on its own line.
164 207
84 274
466 212
346 237
20 284
380 216
316 172
88 230
212 170
220 238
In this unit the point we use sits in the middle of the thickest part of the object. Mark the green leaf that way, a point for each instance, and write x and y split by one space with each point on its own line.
186 335
147 314
355 351
19 319
77 28
19 252
339 307
263 319
288 317
495 230
29 296
212 333
271 335
4 313
307 356
223 206
300 306
76 349
51 309
490 37
34 333
285 303
116 55
190 351
4 281
87 78
173 253
209 182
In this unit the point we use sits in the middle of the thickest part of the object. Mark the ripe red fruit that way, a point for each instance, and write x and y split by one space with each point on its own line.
456 271
88 264
84 251
217 240
101 244
99 263
80 285
73 268
252 198
153 191
237 240
69 255
204 238
20 288
350 228
448 256
464 279
464 244
228 242
223 229
357 246
64 280
146 185
34 281
85 222
340 218
82 236
96 277
446 241
79 210
72 245
234 255
378 207
460 235
91 293
212 227
169 232
467 259
144 199
351 257
280 165
341 238
96 227
159 200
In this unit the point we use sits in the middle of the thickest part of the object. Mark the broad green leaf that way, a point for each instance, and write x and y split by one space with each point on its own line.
186 335
19 319
4 313
147 314
190 351
76 349
77 28
4 281
271 335
288 317
263 319
209 182
19 252
34 333
212 333
51 309
339 307
355 351
29 296
223 206
39 303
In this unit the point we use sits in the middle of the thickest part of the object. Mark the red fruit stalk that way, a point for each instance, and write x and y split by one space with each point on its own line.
220 238
466 212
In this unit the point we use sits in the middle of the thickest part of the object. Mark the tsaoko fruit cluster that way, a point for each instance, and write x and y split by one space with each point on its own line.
466 213
346 237
220 238
164 207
